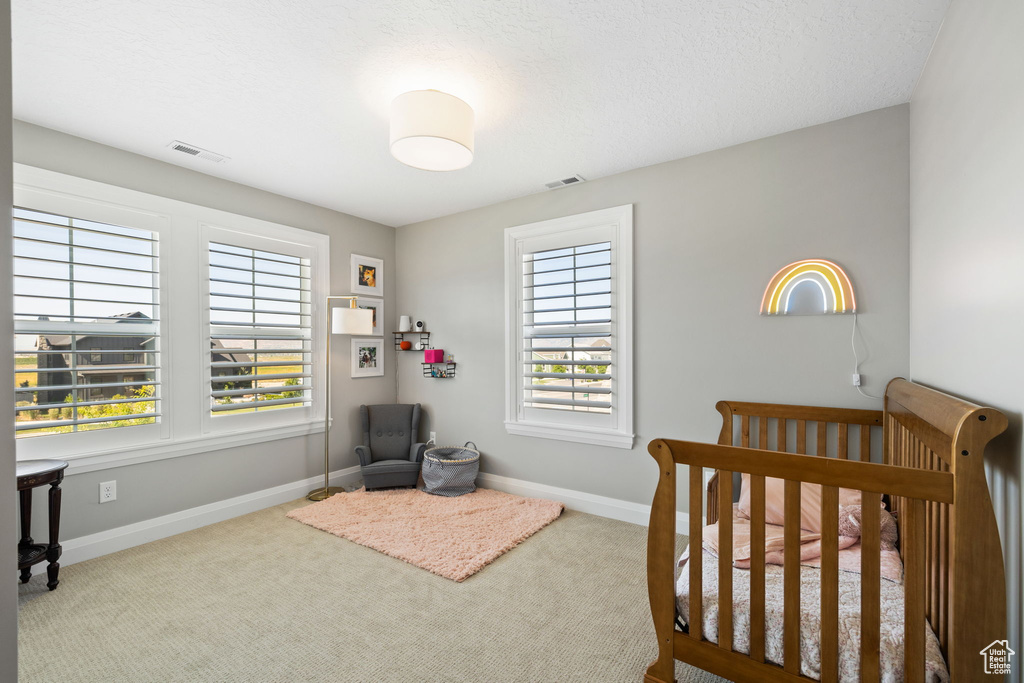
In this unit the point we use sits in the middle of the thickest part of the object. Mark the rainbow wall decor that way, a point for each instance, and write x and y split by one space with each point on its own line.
836 290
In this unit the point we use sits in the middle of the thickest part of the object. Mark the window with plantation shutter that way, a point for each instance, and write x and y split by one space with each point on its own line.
87 325
569 351
261 329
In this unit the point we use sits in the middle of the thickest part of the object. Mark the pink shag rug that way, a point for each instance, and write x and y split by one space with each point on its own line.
451 537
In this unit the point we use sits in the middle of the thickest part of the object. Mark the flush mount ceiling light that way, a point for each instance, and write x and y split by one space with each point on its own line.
432 131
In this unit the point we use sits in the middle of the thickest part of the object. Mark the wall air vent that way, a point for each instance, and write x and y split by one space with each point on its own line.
197 152
565 181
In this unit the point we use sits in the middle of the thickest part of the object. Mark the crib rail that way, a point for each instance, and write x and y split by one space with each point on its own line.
842 433
917 487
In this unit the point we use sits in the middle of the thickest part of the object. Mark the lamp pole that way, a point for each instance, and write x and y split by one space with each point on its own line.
350 324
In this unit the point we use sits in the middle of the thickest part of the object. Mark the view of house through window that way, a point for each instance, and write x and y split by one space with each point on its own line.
260 330
86 325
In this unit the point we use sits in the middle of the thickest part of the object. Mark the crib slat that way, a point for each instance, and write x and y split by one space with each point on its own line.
780 436
757 567
696 552
725 561
933 548
869 585
913 615
745 431
801 437
762 432
829 584
943 574
791 576
865 443
843 447
822 449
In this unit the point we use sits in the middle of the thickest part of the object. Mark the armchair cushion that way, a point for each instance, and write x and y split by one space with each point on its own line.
390 473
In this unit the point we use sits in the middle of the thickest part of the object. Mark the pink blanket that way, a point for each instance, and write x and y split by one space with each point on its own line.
810 543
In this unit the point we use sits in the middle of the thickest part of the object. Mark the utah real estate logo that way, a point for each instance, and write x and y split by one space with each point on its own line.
997 657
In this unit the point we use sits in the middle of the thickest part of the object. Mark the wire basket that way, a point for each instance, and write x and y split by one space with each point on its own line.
451 470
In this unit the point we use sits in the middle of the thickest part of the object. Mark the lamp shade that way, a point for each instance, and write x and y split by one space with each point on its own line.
432 131
351 321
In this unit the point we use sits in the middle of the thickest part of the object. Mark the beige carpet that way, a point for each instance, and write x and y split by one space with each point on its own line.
262 598
451 537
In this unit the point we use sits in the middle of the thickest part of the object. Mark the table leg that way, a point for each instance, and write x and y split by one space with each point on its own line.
53 549
26 529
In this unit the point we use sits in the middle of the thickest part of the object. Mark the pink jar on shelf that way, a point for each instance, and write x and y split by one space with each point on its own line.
433 356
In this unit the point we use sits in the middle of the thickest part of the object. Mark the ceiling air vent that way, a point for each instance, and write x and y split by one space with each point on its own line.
565 181
197 152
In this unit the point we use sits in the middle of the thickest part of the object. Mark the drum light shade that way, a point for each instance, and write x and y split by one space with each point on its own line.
351 321
432 131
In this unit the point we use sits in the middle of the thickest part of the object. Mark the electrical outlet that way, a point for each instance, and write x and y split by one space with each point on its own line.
433 436
855 379
108 491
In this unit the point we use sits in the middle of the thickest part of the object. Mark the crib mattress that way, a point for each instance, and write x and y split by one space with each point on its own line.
891 634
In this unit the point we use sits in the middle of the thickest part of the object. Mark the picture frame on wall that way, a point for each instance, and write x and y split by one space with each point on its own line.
367 358
367 275
377 306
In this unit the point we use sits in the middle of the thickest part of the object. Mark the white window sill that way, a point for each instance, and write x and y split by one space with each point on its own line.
134 455
595 437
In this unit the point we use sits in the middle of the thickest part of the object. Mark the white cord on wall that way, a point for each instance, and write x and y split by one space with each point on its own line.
856 358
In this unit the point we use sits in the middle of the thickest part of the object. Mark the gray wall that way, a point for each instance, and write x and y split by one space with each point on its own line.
967 240
8 495
158 488
710 231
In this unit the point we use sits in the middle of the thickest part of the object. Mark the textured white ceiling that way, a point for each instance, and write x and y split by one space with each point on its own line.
296 92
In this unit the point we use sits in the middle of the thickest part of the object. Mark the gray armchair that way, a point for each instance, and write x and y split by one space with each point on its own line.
390 454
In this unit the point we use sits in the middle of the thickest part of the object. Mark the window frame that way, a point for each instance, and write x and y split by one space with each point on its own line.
614 225
184 304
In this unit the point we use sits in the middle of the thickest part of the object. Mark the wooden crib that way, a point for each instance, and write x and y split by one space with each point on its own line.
928 449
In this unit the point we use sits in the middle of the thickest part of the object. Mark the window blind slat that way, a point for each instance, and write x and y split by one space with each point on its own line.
242 405
249 378
568 390
83 387
566 362
93 367
81 404
562 375
257 364
568 402
49 424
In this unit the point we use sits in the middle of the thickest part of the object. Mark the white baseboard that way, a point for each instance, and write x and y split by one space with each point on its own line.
105 542
602 506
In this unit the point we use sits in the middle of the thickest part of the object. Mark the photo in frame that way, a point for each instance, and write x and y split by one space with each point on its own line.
367 358
377 306
367 275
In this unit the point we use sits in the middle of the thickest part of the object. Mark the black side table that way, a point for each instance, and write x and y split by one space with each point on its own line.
33 473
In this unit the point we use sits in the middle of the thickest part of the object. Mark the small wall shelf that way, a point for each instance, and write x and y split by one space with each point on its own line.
439 370
400 337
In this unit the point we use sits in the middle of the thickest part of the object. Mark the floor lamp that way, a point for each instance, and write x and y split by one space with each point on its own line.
351 320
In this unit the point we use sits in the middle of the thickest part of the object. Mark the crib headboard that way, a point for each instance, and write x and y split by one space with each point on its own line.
965 581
